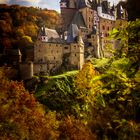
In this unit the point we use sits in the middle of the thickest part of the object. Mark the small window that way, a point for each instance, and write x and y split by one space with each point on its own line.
54 58
75 54
108 28
66 48
103 27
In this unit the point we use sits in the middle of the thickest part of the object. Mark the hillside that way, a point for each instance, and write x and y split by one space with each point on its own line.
19 25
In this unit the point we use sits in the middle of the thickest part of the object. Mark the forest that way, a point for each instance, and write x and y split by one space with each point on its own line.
99 102
19 25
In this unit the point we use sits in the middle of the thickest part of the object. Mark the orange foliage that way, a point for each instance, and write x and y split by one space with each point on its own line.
21 117
74 129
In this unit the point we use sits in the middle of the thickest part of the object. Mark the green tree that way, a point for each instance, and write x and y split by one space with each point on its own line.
119 118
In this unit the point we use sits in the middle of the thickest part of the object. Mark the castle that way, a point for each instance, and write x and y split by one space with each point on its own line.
85 30
51 52
84 33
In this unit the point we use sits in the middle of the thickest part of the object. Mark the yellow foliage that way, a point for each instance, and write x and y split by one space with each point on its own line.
85 76
87 81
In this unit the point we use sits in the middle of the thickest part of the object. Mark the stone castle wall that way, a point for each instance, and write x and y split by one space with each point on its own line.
26 70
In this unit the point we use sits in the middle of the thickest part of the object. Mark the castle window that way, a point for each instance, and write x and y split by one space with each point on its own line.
75 54
65 47
54 58
108 28
103 27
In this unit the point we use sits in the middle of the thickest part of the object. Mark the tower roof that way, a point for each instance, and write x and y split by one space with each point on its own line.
79 20
73 32
83 3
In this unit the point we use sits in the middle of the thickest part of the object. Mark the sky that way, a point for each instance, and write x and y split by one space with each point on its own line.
49 4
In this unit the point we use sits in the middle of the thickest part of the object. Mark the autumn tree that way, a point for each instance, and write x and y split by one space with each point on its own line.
21 116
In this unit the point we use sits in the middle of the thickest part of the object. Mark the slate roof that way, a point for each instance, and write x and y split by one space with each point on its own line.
73 32
51 34
83 3
79 20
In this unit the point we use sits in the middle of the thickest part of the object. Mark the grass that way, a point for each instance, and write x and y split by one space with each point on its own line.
69 73
51 81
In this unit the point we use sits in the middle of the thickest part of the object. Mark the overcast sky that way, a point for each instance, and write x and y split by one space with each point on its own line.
50 4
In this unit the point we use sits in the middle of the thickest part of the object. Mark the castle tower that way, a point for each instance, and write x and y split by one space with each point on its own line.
88 15
72 4
77 52
26 70
121 12
68 10
121 16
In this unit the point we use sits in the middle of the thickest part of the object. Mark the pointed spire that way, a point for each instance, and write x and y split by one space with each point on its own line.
43 32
